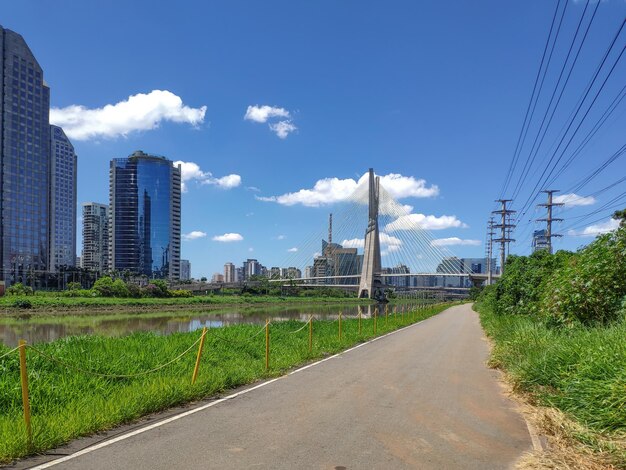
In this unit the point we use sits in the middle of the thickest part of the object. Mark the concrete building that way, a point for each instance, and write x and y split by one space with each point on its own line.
144 199
185 270
400 281
95 253
540 240
63 171
229 273
217 278
25 163
252 267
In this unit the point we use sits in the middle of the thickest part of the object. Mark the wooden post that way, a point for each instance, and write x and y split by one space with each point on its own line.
267 344
340 326
195 369
375 317
25 400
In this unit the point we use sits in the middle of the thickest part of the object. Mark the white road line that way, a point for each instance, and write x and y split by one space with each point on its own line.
184 414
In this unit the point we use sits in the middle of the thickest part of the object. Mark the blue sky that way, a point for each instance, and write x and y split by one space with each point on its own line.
432 91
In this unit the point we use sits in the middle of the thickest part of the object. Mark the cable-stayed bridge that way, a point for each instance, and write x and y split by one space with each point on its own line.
394 237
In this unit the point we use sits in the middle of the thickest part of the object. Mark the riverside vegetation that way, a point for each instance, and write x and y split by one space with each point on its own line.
558 323
108 293
68 398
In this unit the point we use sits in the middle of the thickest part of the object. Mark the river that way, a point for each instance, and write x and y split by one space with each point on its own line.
42 329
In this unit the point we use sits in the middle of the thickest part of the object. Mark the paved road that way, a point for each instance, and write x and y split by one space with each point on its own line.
419 398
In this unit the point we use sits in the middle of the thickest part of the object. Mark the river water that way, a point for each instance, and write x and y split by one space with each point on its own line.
42 329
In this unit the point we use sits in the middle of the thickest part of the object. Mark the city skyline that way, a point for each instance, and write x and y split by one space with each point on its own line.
263 162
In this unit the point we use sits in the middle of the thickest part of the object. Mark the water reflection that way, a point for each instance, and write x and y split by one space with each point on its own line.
46 329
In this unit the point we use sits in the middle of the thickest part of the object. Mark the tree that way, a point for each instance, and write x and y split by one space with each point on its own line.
621 216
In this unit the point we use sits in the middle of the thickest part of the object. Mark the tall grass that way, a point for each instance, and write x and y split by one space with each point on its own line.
580 370
67 404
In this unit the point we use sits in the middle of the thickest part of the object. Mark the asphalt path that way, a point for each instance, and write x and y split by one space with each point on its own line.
421 398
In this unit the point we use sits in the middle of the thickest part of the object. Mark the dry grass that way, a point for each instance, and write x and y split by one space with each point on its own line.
566 444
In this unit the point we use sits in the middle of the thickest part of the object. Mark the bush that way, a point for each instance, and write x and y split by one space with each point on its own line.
19 289
74 286
134 290
104 287
22 303
591 287
120 289
180 293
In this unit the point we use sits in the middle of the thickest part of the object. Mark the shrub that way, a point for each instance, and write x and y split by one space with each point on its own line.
180 293
120 289
591 287
134 290
22 303
104 287
74 286
20 289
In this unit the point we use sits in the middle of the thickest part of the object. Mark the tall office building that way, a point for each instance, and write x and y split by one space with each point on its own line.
95 253
24 163
62 200
145 216
229 273
185 270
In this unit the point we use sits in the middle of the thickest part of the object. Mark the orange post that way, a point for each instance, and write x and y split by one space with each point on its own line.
25 400
195 369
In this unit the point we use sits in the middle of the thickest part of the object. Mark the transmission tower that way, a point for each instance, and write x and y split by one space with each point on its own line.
549 219
489 248
505 227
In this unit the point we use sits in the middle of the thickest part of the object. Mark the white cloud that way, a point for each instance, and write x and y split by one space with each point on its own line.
332 190
191 171
597 229
400 187
194 235
283 128
253 188
424 222
574 200
227 238
263 113
280 237
454 241
353 243
392 243
139 112
292 250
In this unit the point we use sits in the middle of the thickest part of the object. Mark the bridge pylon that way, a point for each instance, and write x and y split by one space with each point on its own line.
371 285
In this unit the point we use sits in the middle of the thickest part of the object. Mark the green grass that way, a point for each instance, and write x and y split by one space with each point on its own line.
67 404
579 370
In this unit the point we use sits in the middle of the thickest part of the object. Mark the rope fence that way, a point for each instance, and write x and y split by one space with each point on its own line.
395 317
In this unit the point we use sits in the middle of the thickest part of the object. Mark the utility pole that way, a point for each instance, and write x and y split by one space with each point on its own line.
489 248
549 219
505 230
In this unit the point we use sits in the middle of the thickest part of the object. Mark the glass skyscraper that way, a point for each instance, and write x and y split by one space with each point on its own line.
24 163
144 236
62 200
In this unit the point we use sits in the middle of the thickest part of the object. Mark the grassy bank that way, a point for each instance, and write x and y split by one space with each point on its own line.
580 371
12 305
68 402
